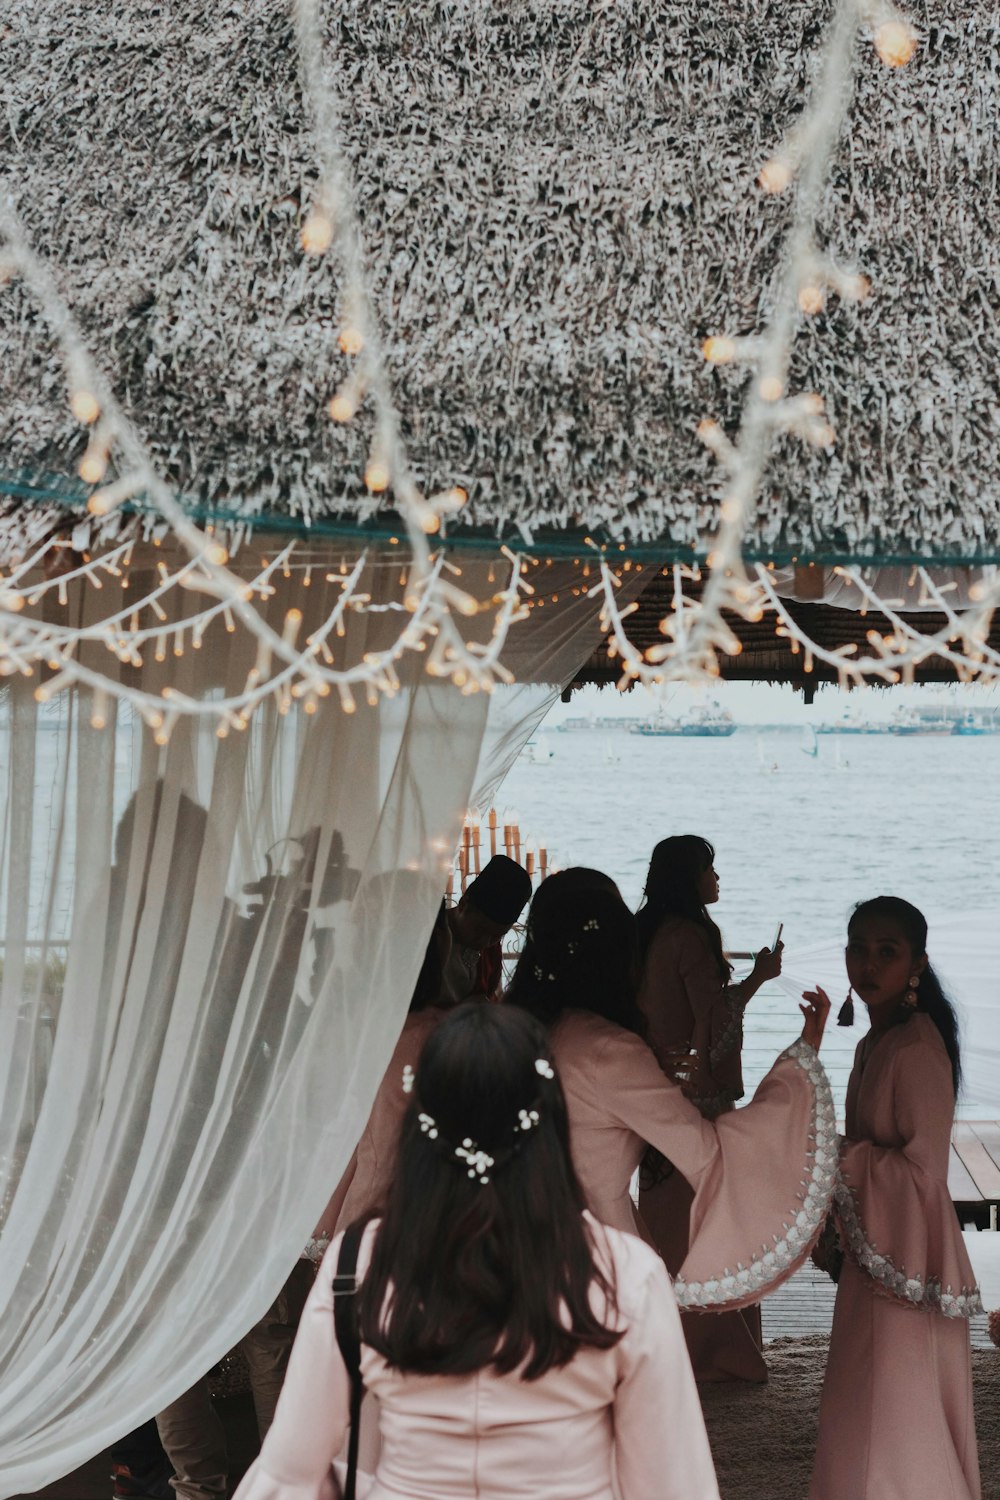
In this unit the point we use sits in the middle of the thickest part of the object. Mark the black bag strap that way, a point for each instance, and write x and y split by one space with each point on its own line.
345 1326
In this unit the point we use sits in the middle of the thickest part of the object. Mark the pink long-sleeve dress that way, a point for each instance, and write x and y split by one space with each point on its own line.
762 1176
896 1419
617 1424
369 1172
685 1002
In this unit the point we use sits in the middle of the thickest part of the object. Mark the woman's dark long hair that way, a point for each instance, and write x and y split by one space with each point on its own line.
931 998
465 1274
673 889
579 952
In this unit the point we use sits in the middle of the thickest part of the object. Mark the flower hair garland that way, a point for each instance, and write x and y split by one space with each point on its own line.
469 1153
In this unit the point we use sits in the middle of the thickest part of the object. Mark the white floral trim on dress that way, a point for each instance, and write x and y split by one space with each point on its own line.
925 1293
805 1221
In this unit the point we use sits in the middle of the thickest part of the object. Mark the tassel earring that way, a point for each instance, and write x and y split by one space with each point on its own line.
845 1015
910 998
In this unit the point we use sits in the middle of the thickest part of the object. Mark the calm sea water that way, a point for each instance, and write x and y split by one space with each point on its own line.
799 839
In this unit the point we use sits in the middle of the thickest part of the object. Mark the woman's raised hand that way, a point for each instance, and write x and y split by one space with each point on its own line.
767 964
815 1010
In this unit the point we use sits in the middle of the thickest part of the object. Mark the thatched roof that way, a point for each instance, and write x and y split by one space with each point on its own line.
559 203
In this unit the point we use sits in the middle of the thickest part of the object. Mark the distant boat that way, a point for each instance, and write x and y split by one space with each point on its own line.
810 744
850 722
715 722
910 722
537 753
973 722
611 755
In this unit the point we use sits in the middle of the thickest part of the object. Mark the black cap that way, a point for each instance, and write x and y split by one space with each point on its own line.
501 891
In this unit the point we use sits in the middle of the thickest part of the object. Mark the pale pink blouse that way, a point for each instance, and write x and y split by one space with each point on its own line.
617 1424
762 1175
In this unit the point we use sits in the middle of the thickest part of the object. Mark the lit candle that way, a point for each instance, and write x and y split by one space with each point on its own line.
529 861
543 861
517 841
508 840
475 842
493 831
450 893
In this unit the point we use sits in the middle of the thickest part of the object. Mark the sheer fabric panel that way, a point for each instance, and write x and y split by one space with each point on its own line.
208 950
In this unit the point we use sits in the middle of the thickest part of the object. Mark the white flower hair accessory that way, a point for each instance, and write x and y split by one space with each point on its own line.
479 1162
544 1067
407 1079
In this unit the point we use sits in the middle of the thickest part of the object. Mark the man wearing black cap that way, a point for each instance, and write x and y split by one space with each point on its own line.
487 911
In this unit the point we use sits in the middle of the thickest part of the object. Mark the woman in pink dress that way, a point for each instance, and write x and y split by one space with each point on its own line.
516 1346
762 1176
689 1000
896 1419
369 1172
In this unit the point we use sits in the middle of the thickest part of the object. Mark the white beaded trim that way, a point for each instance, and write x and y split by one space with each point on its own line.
919 1292
777 1260
316 1248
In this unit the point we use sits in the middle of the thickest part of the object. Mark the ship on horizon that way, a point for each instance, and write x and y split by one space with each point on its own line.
714 722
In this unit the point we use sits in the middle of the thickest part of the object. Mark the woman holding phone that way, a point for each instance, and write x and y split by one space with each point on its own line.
694 1018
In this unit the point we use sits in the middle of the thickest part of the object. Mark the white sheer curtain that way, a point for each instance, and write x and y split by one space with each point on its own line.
208 949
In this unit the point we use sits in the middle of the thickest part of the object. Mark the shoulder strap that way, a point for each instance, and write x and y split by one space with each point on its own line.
345 1324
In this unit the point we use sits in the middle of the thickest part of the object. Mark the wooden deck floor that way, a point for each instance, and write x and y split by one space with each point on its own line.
805 1305
974 1169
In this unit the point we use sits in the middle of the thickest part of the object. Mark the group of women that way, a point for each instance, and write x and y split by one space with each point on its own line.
518 1314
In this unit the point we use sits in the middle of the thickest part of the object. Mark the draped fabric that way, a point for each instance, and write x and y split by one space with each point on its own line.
208 949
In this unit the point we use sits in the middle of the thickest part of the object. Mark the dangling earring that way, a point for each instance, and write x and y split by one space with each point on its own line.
910 998
845 1015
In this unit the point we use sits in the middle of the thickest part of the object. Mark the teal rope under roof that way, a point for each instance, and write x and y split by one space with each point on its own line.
56 489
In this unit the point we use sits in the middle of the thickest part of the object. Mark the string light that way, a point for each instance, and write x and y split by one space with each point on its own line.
317 232
895 42
85 407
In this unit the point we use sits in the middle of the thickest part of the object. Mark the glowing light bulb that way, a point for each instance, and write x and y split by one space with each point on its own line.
342 407
85 406
811 299
377 476
775 175
351 340
93 466
719 350
771 388
895 43
99 504
317 232
430 522
217 554
12 602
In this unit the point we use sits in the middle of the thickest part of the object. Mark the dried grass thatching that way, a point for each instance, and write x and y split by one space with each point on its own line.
559 203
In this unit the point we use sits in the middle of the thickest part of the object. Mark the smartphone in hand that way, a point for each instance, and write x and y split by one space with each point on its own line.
777 936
